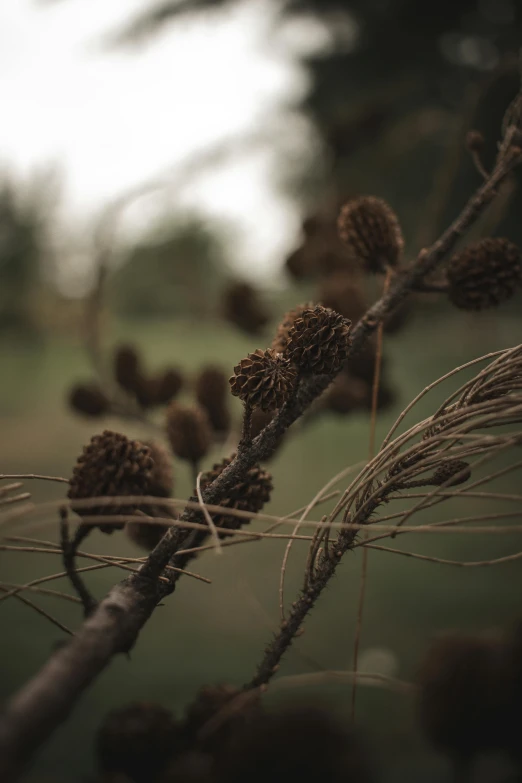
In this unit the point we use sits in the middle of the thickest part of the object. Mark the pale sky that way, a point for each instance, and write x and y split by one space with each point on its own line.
113 119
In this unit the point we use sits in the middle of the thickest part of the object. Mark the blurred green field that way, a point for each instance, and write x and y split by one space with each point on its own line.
211 633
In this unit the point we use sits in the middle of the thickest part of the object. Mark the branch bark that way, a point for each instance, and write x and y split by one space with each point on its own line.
46 700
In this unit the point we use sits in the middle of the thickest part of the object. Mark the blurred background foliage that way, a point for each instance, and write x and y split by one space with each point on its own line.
391 96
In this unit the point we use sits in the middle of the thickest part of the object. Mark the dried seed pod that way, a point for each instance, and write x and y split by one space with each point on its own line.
138 741
280 340
484 274
127 367
243 308
168 385
264 379
211 389
318 341
345 394
249 494
146 535
111 465
371 230
448 472
341 293
460 699
189 432
88 399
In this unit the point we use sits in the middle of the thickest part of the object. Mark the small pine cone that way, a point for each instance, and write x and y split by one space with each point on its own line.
341 293
189 432
146 391
211 720
264 379
386 397
88 399
345 394
300 264
138 741
146 535
127 370
243 308
449 471
318 342
111 465
169 383
484 274
371 230
280 340
162 478
211 389
459 699
249 494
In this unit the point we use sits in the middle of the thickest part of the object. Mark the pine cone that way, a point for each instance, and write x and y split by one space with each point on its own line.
127 368
88 399
484 274
345 394
243 308
211 704
460 701
169 384
264 379
280 340
318 342
162 477
451 469
371 230
189 432
146 390
138 741
212 394
146 535
249 494
341 293
300 264
111 465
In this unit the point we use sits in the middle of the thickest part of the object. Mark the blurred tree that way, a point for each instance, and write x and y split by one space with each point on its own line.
176 271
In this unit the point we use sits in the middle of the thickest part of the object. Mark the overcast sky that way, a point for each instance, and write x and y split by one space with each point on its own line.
112 119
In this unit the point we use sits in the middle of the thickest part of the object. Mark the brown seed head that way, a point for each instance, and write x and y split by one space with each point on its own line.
371 230
189 432
449 471
242 307
249 494
280 340
318 342
264 379
137 741
340 292
127 367
484 274
111 465
88 399
211 389
460 701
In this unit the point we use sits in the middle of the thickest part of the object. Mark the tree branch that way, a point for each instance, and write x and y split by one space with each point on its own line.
43 703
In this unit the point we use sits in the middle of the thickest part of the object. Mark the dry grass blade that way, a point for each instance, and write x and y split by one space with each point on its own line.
40 611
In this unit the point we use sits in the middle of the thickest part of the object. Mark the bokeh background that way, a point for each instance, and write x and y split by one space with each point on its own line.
182 145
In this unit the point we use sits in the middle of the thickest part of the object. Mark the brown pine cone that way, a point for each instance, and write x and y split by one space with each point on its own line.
189 432
88 399
341 293
371 230
280 340
300 264
127 369
162 477
264 379
450 469
111 465
242 307
249 494
484 274
169 384
460 698
138 741
211 389
318 342
345 394
212 720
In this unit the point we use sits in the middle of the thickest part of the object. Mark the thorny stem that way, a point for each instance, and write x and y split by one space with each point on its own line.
43 703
